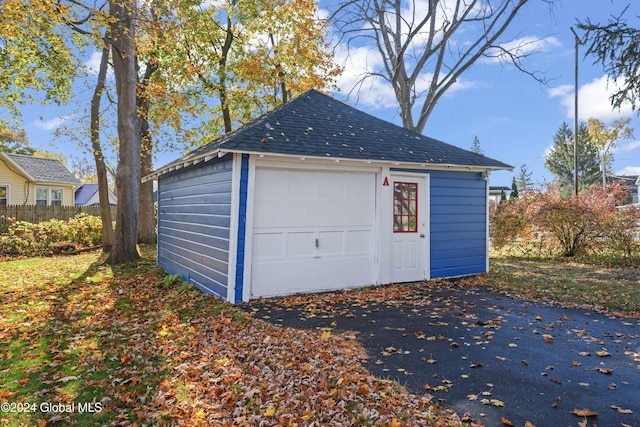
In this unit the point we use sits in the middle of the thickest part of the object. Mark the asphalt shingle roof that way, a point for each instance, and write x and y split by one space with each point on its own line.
44 169
314 124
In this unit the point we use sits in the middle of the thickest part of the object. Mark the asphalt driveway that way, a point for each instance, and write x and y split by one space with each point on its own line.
485 354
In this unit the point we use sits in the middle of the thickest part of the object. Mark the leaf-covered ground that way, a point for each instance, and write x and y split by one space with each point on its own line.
82 344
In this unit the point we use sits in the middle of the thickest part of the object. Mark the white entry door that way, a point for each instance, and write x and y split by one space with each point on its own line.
409 228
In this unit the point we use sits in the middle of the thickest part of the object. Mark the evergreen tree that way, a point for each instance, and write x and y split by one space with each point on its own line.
615 46
514 189
559 161
524 180
475 147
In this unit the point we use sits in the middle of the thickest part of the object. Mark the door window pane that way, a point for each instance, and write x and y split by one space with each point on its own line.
405 207
3 196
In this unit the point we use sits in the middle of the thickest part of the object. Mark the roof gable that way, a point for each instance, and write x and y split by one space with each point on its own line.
40 169
316 125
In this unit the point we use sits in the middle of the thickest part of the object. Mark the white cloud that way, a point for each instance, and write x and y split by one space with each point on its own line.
629 171
522 47
358 62
93 65
593 100
374 91
51 124
626 147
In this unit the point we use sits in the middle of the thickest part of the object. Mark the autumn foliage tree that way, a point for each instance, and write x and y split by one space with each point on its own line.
244 58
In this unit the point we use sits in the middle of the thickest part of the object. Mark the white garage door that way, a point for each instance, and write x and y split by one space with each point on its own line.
312 230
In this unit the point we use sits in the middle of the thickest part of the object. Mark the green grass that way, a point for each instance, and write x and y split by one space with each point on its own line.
569 282
68 336
75 331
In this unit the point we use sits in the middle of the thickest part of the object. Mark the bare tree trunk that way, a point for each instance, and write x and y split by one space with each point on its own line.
423 45
147 217
128 171
101 170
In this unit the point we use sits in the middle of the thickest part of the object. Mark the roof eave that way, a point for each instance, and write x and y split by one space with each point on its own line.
17 166
182 163
218 153
390 163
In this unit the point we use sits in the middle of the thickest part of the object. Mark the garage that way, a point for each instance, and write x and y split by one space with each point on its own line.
312 229
317 195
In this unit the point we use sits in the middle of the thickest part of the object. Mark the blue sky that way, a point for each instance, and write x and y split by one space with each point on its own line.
512 115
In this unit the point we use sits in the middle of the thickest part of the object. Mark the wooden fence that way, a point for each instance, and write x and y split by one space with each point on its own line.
36 214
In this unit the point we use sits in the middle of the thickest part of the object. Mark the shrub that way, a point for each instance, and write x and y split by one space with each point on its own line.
51 237
579 224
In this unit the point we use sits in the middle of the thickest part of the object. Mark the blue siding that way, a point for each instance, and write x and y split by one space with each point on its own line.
458 224
194 211
242 226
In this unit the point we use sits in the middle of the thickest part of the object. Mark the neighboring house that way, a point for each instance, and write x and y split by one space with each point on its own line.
317 195
629 183
87 195
27 180
496 192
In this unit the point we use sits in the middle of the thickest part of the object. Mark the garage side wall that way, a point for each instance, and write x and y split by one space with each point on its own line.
194 210
458 224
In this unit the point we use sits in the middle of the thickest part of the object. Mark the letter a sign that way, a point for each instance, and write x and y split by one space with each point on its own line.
385 183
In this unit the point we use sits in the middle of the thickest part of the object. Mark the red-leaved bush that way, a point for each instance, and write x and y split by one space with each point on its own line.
550 221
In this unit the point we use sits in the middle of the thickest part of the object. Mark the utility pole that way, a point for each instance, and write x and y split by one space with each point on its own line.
575 119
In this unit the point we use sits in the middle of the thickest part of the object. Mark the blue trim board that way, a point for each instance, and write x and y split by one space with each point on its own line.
242 226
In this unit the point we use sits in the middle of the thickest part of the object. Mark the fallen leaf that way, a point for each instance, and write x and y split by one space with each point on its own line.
325 335
497 403
506 421
584 412
555 380
621 410
603 353
67 379
547 338
604 370
575 363
583 384
528 424
270 412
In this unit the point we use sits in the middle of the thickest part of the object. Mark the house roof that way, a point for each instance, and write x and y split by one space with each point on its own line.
316 125
41 170
87 195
